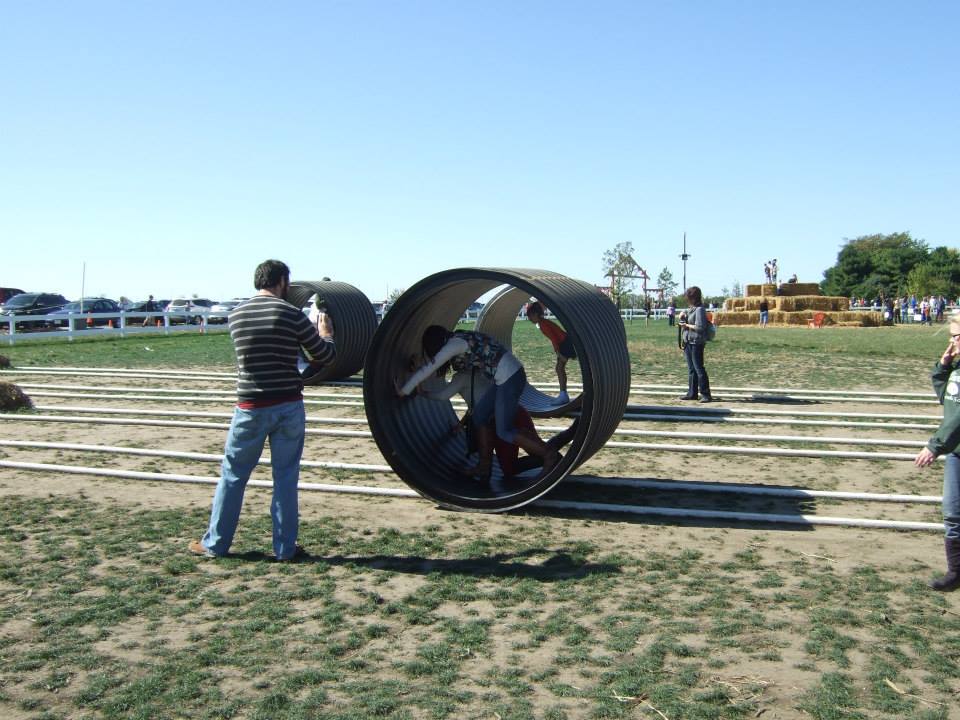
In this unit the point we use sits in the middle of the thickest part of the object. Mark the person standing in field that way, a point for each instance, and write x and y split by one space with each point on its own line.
694 327
267 333
562 345
764 312
945 442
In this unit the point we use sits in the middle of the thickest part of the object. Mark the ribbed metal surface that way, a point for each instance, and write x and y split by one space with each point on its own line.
354 323
414 433
498 319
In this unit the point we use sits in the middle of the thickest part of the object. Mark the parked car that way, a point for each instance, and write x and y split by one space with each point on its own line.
80 308
188 310
141 306
219 312
39 304
7 293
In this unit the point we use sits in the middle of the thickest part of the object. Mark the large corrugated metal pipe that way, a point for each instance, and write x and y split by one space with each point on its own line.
414 433
354 323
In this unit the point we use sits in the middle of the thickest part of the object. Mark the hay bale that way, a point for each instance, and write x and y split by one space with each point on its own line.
791 289
817 303
4 362
749 304
13 398
865 318
754 290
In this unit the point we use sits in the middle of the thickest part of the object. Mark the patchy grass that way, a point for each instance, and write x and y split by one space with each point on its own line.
104 615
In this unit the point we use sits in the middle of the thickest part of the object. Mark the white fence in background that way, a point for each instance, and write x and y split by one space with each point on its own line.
83 325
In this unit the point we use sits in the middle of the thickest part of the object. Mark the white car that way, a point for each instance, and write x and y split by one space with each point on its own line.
188 310
220 312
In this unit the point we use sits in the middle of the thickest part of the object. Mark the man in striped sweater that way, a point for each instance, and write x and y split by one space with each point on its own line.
267 333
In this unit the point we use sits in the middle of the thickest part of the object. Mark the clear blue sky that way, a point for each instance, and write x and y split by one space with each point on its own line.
174 145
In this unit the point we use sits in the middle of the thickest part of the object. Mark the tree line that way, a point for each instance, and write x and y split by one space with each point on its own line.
868 266
891 266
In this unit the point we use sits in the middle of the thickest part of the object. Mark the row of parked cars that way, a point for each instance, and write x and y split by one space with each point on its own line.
52 310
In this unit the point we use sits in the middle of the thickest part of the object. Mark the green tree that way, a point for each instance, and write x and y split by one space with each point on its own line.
927 279
619 262
666 283
395 294
873 264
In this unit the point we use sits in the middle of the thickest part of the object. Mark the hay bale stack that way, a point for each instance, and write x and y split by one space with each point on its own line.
818 303
750 304
791 289
766 289
801 317
13 398
865 318
735 317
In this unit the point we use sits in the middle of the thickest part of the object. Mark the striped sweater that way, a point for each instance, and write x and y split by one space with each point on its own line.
267 333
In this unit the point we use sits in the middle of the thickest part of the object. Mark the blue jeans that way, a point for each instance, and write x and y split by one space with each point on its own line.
284 424
696 372
951 496
501 402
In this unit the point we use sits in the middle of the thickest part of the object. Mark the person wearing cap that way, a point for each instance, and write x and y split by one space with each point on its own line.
945 442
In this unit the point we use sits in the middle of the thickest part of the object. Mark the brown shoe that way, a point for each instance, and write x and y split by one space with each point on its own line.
198 548
298 552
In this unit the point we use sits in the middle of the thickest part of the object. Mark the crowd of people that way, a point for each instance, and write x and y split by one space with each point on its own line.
926 309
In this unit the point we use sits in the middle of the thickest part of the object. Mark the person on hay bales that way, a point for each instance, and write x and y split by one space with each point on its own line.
946 442
500 401
562 346
470 385
693 327
267 333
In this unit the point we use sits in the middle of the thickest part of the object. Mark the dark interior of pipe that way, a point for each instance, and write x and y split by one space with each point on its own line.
354 323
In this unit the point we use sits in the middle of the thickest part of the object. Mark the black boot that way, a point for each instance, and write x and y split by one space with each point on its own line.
951 580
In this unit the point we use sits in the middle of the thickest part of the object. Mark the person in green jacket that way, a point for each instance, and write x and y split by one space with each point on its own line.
945 441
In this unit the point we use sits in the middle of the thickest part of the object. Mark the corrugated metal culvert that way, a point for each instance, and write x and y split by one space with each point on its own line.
414 433
354 323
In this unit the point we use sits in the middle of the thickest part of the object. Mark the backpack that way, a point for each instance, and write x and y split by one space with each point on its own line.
710 331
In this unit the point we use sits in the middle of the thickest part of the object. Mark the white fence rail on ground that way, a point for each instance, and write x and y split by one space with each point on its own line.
121 324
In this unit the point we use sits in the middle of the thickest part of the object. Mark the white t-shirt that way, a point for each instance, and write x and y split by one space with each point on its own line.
507 366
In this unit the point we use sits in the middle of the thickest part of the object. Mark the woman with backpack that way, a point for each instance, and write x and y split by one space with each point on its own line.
693 324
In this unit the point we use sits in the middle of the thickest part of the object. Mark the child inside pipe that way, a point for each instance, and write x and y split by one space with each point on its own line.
562 346
499 401
470 384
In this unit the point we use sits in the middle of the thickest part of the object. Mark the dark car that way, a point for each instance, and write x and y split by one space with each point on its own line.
144 307
39 304
91 306
7 293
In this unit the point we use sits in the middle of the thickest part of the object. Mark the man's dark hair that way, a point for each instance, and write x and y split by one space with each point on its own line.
535 308
694 296
269 273
434 338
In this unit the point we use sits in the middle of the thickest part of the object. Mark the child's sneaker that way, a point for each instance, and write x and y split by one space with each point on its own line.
562 398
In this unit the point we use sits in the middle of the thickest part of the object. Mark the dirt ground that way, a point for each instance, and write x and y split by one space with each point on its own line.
844 549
